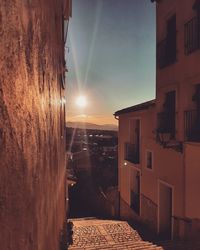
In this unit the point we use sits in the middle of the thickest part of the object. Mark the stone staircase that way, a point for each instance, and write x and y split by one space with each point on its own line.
139 245
179 245
93 234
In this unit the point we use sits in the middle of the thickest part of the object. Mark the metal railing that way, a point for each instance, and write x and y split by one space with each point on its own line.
132 153
161 54
166 52
192 35
192 125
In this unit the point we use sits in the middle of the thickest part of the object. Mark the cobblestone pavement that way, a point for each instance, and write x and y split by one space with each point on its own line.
93 234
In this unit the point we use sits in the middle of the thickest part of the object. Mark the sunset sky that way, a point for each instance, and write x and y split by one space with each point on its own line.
111 57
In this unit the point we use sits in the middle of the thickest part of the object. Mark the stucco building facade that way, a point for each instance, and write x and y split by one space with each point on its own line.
32 123
159 141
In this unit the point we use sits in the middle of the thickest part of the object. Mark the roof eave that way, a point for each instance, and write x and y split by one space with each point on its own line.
135 108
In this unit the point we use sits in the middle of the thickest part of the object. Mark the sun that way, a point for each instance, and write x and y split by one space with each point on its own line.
81 101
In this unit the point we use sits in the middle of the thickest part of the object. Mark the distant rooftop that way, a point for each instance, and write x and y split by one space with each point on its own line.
138 107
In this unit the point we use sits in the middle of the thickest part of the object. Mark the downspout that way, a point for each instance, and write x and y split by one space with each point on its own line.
117 118
184 181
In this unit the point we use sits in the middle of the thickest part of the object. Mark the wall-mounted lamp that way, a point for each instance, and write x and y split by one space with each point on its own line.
164 139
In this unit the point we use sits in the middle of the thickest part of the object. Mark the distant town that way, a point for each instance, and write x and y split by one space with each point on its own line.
92 169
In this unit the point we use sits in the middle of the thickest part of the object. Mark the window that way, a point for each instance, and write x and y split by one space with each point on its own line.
192 119
171 40
192 31
166 49
149 159
132 148
167 119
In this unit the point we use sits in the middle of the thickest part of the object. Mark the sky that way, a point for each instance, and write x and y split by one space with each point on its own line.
111 58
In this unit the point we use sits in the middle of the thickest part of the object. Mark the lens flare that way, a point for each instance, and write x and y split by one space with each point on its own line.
81 101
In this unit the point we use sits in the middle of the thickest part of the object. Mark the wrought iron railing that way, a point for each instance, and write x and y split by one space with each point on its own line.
166 52
185 224
192 125
161 54
192 35
132 153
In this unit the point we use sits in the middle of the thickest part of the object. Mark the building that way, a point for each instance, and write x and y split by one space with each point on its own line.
32 121
159 141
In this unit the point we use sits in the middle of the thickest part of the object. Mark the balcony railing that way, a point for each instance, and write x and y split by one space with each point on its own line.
192 35
132 153
135 202
192 125
166 123
166 52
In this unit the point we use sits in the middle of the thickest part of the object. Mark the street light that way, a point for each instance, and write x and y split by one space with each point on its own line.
164 138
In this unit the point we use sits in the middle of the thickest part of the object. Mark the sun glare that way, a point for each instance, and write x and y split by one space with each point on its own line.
81 101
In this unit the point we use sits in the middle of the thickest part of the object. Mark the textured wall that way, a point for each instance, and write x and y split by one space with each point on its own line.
149 212
127 213
32 164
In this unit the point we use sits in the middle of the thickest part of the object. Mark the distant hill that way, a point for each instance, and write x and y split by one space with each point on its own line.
87 125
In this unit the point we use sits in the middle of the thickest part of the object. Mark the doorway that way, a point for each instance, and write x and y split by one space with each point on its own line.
135 191
165 211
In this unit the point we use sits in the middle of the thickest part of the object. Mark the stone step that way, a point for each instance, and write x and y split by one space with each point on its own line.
113 247
134 246
97 234
140 244
179 245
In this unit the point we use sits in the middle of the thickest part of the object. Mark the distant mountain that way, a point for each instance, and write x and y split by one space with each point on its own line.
88 125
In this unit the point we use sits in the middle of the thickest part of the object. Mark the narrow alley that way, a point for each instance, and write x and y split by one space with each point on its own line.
99 124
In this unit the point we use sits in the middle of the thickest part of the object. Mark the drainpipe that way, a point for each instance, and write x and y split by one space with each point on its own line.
184 182
119 215
117 118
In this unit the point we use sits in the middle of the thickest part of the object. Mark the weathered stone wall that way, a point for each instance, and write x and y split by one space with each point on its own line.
32 164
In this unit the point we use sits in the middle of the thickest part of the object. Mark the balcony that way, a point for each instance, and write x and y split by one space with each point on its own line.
192 36
166 52
192 125
132 153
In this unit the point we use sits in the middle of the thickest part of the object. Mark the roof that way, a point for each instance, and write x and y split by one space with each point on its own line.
155 1
138 107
